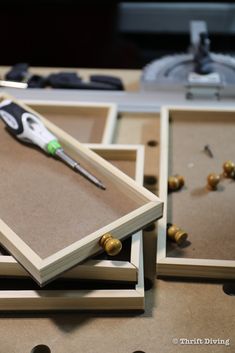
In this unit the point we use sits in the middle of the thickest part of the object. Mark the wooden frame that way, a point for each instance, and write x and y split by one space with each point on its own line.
45 269
107 299
178 266
97 269
53 110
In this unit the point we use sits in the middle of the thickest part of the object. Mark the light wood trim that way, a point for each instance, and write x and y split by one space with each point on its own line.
138 261
163 183
200 268
110 124
92 269
71 300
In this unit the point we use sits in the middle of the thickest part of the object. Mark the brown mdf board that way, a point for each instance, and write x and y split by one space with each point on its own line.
207 216
87 122
129 159
142 127
68 215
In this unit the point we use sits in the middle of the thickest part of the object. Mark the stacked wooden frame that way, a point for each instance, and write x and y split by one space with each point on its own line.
140 208
95 299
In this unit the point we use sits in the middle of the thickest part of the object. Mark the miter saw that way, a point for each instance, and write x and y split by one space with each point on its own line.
199 73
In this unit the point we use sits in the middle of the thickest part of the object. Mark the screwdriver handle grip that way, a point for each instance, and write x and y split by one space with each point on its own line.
11 114
27 126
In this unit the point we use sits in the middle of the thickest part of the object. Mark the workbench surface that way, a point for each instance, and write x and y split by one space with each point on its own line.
174 310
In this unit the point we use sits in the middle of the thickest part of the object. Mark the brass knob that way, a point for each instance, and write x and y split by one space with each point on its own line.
176 234
110 245
213 180
229 168
175 182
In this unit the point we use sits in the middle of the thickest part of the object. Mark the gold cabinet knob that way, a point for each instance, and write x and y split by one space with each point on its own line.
176 234
175 182
110 245
229 168
213 180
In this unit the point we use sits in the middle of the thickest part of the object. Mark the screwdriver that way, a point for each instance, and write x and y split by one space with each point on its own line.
29 128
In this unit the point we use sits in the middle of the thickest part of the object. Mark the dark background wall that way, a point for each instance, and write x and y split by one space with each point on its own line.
58 33
106 34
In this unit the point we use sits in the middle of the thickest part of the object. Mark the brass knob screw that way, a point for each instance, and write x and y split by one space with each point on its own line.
175 182
176 234
110 245
229 169
213 180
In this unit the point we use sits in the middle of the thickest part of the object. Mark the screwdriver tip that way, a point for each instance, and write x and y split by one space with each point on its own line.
102 186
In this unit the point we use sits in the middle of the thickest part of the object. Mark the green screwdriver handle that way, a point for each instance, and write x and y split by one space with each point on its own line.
28 127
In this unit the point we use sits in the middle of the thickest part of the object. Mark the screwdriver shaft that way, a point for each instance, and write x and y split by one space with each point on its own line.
78 168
